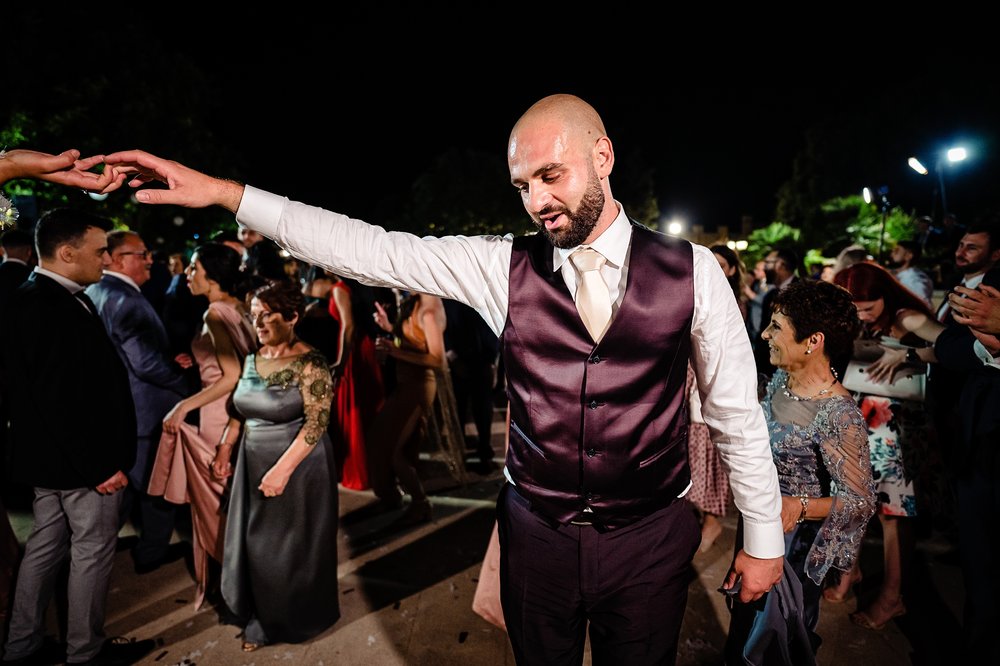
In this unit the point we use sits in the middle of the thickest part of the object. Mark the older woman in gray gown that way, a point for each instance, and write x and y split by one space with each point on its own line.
819 442
279 574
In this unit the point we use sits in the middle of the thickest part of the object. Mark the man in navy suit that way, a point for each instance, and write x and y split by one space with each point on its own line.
157 383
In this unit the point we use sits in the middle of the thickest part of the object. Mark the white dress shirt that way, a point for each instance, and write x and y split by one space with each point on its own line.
475 270
124 278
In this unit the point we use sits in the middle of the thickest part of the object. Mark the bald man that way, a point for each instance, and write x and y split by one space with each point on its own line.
592 529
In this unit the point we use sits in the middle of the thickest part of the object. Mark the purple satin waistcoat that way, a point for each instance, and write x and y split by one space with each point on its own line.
599 426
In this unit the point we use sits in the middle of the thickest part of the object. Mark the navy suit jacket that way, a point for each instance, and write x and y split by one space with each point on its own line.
71 414
141 340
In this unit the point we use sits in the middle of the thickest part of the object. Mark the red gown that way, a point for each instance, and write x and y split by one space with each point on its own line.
356 401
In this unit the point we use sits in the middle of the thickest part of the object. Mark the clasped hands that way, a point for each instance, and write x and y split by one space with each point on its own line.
979 309
67 168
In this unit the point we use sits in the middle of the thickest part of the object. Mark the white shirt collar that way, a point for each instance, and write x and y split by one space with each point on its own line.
974 281
613 243
73 287
14 260
124 278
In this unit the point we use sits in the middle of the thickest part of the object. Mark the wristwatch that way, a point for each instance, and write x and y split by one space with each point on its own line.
912 356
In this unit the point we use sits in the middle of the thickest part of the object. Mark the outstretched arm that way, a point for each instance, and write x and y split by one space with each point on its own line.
185 187
66 168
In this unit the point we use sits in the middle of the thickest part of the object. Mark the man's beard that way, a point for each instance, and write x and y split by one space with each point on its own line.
770 276
581 221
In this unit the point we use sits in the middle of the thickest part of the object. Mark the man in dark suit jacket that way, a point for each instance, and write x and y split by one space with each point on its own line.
157 383
976 460
72 438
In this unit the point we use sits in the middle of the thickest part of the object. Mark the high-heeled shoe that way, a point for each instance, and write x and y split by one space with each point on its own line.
864 619
416 514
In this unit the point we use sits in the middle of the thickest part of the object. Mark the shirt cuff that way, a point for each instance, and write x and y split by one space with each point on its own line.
983 355
764 541
260 211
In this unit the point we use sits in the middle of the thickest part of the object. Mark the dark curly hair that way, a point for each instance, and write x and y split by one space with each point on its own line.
283 297
814 306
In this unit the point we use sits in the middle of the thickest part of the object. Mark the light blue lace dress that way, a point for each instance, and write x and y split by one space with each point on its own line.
820 449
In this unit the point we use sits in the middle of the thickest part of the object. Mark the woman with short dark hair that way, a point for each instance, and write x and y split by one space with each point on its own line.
820 446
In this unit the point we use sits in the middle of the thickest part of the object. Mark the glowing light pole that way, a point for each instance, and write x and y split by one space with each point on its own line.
952 155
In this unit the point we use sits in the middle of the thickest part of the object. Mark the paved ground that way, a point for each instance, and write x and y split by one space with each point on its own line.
406 598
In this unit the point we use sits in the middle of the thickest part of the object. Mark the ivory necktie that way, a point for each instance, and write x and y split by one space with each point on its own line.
593 300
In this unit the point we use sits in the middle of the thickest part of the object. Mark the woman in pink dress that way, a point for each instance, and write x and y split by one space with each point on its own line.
182 471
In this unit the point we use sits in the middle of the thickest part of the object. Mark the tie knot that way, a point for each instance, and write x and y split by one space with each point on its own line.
587 259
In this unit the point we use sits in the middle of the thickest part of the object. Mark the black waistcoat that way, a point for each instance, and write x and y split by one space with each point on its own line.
599 426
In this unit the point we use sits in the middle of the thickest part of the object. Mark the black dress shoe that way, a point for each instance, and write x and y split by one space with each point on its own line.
174 552
51 652
120 651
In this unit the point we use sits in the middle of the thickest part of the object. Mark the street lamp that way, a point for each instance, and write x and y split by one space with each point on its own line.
883 193
952 155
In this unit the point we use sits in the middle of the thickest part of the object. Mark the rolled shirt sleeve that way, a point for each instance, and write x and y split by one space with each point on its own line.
469 269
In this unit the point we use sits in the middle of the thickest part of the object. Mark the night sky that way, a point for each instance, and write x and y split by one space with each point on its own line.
347 113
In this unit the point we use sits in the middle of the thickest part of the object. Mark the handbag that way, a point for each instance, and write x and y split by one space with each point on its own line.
910 382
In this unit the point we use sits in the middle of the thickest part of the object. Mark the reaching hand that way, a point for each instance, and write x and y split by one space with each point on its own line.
66 168
886 367
185 186
382 318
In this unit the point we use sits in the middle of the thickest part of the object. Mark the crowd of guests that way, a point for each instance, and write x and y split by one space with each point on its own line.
253 389
292 398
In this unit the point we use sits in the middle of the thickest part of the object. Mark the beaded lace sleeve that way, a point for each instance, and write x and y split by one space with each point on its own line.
844 446
317 394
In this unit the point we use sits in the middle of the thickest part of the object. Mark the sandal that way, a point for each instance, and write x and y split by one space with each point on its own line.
251 647
864 620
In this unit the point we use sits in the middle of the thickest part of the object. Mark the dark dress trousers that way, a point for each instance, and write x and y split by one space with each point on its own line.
591 529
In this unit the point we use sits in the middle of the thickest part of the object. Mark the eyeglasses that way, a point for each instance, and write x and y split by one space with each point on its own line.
145 254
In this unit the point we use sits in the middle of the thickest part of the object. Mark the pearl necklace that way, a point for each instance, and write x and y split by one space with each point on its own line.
788 393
